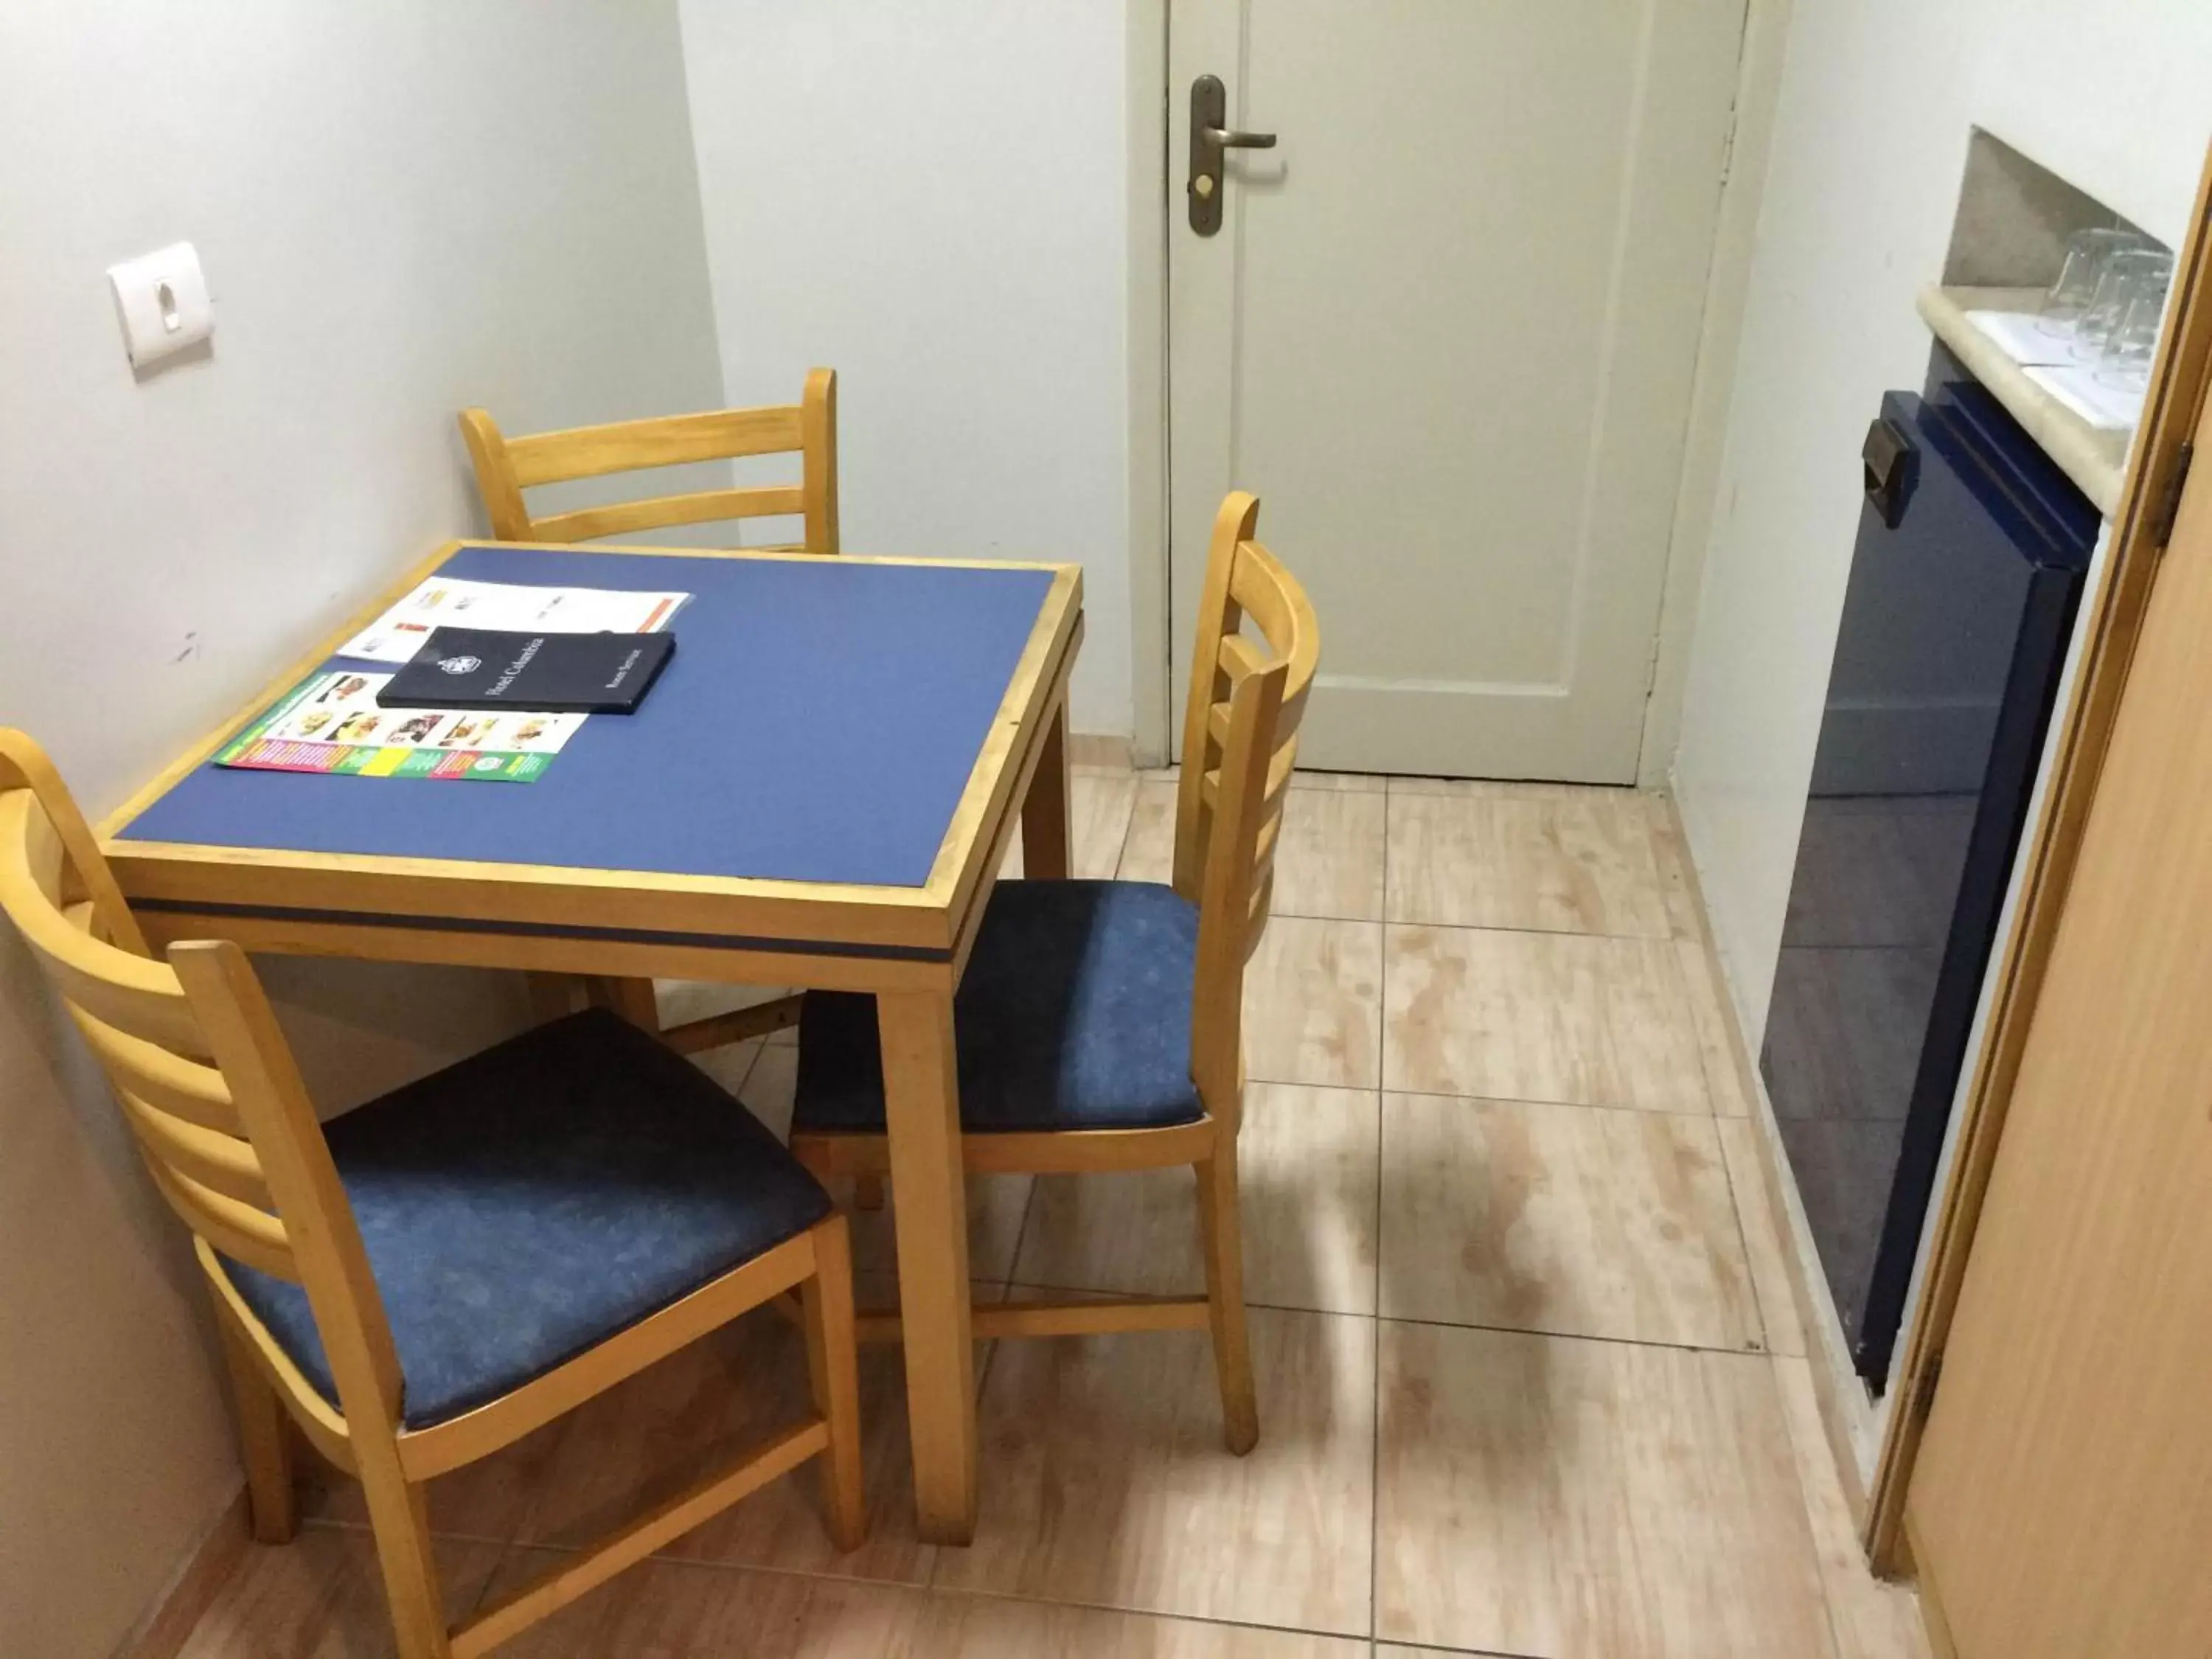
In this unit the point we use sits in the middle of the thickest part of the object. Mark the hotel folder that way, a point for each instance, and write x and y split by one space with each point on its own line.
479 668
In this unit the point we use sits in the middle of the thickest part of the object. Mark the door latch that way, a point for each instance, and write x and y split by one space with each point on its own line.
1210 139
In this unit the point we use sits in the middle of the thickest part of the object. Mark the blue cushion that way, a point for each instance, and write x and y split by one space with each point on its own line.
1074 1013
525 1204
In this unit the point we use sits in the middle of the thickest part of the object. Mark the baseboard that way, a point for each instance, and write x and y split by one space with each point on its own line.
192 1590
1102 751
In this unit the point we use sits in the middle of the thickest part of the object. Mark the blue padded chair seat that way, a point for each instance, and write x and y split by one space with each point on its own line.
1074 1013
525 1204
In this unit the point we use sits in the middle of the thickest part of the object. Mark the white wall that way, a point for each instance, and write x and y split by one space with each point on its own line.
402 208
932 199
1869 143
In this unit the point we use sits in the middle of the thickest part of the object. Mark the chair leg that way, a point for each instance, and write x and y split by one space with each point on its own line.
868 1191
1223 1235
833 1368
401 1523
264 1440
553 996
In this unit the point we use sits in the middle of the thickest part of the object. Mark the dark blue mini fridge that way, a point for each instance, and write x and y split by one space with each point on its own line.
1964 586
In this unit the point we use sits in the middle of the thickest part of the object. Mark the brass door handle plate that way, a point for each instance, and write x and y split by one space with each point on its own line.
1210 139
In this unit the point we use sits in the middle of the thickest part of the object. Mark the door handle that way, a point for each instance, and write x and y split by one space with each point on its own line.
1211 138
1887 459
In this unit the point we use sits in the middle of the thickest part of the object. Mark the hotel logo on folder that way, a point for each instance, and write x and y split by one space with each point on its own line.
550 674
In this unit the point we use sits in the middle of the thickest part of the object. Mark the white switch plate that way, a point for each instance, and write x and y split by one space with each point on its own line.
162 300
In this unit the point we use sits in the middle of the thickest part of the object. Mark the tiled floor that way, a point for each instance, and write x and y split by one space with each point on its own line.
1528 1373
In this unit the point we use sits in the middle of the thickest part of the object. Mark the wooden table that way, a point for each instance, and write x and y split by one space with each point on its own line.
819 792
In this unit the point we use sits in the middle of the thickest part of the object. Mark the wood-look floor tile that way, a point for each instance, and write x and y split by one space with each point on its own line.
1677 874
1330 860
1569 1219
1098 806
656 1432
1548 1495
1586 862
1364 783
1473 788
769 1086
1352 783
321 1596
1872 1620
996 1206
682 999
486 1501
1105 1480
1567 1017
682 1612
1307 1173
1764 1233
672 1610
1148 854
1719 1052
731 1064
1313 1003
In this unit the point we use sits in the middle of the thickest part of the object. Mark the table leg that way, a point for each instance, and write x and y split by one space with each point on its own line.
633 999
1045 852
922 1106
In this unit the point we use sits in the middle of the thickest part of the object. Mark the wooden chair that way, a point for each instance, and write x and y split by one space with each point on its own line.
1100 1023
333 1255
506 466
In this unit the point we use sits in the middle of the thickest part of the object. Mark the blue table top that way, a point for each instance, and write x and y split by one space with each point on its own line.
817 723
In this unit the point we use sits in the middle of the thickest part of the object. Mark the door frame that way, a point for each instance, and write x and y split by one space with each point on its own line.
1152 678
2113 610
1155 662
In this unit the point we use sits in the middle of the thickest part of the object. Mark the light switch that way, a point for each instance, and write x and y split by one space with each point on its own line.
162 300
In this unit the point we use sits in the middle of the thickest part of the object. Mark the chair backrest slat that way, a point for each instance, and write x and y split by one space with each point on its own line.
237 1230
707 506
165 1080
223 1163
593 452
506 466
1246 698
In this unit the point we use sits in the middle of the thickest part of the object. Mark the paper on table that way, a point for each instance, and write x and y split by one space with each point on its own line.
2107 408
333 723
2019 336
450 602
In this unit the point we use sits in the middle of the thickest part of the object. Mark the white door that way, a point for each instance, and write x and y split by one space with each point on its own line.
1446 333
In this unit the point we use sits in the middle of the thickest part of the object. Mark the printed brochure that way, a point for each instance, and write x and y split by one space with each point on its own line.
333 723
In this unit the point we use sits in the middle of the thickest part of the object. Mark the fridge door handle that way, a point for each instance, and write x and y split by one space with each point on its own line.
1887 456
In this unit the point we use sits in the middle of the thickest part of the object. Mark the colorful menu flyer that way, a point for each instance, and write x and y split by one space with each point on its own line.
332 724
450 602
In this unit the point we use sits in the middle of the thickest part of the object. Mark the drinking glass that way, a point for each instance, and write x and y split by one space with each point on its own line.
2087 253
2133 338
2128 271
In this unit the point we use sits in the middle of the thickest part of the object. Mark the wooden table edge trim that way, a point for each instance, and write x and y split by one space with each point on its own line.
203 876
1033 690
312 916
648 958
